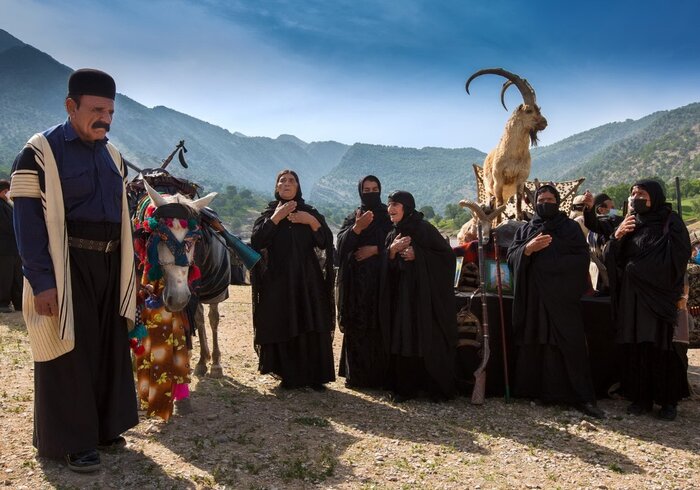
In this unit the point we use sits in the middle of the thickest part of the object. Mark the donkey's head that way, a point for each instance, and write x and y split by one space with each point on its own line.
174 233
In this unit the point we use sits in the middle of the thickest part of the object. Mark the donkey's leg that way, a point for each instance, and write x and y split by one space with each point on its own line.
519 192
216 369
204 355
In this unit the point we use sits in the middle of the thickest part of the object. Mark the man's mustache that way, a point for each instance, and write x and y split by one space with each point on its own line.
100 125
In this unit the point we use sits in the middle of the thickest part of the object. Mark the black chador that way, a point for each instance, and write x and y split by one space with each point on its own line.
552 359
362 359
649 264
418 318
293 306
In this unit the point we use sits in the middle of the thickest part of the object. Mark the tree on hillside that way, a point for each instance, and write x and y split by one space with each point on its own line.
428 212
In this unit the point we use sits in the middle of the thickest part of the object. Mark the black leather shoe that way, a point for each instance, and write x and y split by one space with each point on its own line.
667 412
84 461
639 408
591 409
116 443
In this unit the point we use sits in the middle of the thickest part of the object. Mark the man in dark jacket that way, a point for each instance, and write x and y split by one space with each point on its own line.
10 263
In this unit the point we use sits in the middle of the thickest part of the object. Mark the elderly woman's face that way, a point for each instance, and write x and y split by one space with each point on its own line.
395 210
287 187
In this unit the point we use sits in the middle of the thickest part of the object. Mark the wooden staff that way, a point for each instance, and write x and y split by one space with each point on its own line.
499 285
479 392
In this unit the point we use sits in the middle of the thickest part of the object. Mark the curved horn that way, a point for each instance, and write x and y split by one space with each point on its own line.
525 88
496 212
475 209
507 84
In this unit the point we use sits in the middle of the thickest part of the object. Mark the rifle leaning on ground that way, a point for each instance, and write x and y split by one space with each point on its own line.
484 216
479 392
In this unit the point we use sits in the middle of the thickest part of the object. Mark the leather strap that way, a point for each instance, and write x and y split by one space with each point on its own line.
94 245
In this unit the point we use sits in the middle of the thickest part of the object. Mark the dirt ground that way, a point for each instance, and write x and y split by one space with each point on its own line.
246 433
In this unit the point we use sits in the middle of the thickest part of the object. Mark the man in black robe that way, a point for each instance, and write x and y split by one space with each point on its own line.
360 250
418 318
84 397
549 259
293 307
647 261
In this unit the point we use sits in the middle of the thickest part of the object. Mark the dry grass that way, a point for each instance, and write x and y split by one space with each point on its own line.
246 433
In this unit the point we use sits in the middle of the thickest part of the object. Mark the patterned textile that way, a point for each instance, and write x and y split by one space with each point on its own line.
164 361
567 191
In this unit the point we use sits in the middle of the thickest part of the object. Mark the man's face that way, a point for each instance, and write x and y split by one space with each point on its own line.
3 194
606 206
91 120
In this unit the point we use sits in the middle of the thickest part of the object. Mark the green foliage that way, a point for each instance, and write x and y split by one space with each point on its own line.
428 212
238 209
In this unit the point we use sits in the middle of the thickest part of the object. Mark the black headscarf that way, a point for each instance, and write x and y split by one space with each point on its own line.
652 259
410 223
293 254
417 300
358 281
559 270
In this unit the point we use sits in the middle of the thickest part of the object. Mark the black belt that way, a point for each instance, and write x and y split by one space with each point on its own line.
94 245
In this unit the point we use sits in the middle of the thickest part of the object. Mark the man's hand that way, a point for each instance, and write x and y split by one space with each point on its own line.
46 302
627 226
283 210
362 221
538 243
588 199
366 252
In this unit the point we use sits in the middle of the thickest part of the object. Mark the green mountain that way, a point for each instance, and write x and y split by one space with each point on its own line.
435 176
32 92
667 146
564 158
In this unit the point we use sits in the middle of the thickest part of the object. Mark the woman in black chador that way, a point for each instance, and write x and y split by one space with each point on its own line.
293 310
360 248
418 317
549 259
649 254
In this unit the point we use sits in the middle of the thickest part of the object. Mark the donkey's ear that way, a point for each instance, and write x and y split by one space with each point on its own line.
203 202
156 198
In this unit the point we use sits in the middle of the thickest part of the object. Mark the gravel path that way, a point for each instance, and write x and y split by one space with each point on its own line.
246 433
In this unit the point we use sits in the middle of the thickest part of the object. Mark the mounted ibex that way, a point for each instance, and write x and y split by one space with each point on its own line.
507 167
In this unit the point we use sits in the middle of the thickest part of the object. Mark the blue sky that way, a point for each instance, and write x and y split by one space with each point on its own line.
384 72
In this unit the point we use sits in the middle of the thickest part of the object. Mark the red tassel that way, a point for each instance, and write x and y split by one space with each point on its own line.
194 274
139 350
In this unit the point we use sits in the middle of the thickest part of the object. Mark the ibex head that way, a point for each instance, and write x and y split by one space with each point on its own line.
528 112
484 215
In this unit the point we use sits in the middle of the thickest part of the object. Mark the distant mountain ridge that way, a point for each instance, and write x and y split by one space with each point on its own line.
32 92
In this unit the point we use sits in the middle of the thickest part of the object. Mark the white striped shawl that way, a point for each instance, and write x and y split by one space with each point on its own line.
53 336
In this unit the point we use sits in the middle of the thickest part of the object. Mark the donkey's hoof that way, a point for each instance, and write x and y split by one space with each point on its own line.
200 370
184 406
216 372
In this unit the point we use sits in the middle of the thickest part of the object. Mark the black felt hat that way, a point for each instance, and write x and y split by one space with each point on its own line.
88 81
